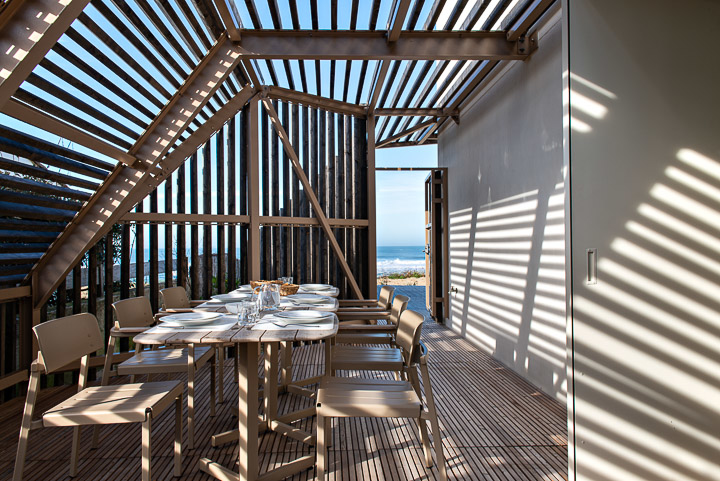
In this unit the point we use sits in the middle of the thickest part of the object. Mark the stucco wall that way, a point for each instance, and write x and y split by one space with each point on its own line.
506 203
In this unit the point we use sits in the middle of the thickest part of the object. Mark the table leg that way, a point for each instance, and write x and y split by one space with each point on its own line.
191 396
247 411
271 384
286 373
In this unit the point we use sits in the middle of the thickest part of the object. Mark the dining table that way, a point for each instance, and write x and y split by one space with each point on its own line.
271 332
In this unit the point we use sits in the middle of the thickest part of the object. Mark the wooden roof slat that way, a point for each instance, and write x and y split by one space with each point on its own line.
21 168
333 15
34 225
26 236
32 153
39 200
180 26
254 17
332 79
455 14
496 14
294 15
52 89
83 66
346 84
414 15
475 14
202 33
84 125
318 81
390 80
122 53
212 19
23 138
35 247
11 209
354 14
14 272
374 12
147 39
10 259
84 88
123 74
361 81
317 101
274 13
26 29
434 14
408 99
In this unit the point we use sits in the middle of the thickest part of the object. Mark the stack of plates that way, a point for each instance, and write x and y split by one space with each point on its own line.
189 319
244 289
308 299
316 287
232 297
303 317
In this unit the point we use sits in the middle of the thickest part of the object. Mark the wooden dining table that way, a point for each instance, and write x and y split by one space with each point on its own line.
247 341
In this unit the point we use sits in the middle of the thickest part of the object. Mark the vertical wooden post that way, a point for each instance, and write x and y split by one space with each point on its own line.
77 286
207 265
109 297
181 231
220 171
194 230
295 267
275 267
372 216
322 196
154 249
253 164
169 236
243 151
92 281
265 246
232 205
139 255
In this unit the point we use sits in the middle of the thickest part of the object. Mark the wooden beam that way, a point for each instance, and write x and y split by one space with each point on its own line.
372 45
12 379
232 29
164 218
311 195
415 112
378 83
30 115
27 33
311 100
372 209
527 19
14 293
253 176
428 133
126 187
396 23
406 132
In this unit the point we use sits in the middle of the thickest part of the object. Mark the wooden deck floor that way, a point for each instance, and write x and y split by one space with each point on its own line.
494 426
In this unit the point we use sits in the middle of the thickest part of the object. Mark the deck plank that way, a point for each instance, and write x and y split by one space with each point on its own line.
495 426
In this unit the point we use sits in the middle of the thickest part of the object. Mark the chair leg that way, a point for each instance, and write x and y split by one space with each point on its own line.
146 449
422 424
321 448
75 451
213 374
178 436
434 423
104 382
236 362
220 355
25 425
191 396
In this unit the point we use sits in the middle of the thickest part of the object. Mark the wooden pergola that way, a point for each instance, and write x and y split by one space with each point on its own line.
117 101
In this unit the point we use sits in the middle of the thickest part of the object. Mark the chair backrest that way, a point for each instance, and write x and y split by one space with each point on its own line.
133 312
174 298
67 339
385 296
408 336
399 304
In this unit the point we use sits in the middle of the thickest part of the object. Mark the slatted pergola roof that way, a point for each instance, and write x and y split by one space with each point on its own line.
106 98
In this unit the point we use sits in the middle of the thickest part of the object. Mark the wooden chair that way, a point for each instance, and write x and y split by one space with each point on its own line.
176 299
67 339
364 305
353 330
133 316
351 397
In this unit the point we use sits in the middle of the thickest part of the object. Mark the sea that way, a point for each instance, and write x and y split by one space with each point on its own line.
391 259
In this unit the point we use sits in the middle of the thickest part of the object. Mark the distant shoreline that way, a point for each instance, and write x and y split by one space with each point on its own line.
408 278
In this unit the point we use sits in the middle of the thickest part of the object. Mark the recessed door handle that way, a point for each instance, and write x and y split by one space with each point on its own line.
591 267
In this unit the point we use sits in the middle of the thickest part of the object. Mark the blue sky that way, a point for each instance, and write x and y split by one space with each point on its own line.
401 195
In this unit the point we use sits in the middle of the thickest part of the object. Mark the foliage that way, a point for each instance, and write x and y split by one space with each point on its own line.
405 275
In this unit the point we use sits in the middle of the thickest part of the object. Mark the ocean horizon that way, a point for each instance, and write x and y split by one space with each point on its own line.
390 259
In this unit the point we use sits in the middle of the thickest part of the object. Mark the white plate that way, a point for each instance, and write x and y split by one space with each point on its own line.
308 299
232 297
303 317
243 289
191 318
316 287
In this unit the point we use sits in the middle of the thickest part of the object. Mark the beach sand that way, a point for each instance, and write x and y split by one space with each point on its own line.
408 281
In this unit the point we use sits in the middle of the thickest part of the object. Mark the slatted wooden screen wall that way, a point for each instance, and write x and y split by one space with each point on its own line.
198 222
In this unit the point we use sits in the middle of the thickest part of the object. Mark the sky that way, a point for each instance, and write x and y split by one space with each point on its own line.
401 195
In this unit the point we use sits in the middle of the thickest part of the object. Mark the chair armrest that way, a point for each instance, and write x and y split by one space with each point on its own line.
362 309
358 303
196 303
126 331
360 328
363 316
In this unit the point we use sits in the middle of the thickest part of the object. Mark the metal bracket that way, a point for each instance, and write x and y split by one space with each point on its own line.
527 44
